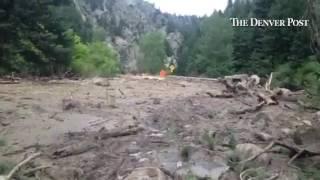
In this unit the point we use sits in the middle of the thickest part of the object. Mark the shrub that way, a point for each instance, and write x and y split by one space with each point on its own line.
309 173
209 140
94 59
305 76
283 77
5 167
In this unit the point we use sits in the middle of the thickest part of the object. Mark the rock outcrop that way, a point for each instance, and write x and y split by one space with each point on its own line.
126 21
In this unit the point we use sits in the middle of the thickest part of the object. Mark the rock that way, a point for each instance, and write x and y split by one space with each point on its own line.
133 148
127 21
229 176
263 136
101 82
261 121
254 80
4 122
64 173
199 163
69 104
157 135
286 95
308 123
289 174
244 151
203 170
156 101
237 77
287 131
147 173
175 40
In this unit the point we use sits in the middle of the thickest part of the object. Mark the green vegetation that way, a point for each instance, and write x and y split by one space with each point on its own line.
216 49
32 41
208 139
305 76
308 169
190 176
94 58
212 55
40 42
232 142
309 173
5 167
153 50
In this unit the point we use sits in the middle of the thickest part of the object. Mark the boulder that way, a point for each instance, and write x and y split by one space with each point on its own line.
70 104
245 151
148 173
101 82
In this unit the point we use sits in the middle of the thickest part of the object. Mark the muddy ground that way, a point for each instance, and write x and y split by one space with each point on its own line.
133 126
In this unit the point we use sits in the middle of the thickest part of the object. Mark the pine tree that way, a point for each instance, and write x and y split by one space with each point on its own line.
259 60
212 55
37 43
242 39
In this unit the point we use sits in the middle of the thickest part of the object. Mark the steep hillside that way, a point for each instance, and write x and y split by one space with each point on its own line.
126 21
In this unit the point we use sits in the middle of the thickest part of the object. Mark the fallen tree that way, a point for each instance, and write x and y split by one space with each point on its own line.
245 85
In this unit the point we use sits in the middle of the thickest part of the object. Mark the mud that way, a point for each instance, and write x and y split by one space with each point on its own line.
67 121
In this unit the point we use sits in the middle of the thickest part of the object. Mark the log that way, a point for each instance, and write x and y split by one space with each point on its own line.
192 78
250 110
299 152
120 133
9 82
286 95
268 83
229 86
73 149
24 149
222 95
30 171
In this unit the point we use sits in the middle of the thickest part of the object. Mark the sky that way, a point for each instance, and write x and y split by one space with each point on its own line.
190 7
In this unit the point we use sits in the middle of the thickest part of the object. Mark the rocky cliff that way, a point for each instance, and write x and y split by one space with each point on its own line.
126 21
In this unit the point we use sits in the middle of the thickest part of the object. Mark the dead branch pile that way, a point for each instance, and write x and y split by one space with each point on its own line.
10 79
296 150
245 85
20 165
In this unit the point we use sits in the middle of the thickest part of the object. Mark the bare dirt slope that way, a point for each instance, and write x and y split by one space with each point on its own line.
170 129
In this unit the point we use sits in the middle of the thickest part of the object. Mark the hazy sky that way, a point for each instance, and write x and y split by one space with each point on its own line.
190 7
